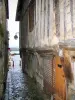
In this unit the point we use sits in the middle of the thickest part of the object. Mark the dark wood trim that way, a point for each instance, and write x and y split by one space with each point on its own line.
19 8
41 52
67 47
7 8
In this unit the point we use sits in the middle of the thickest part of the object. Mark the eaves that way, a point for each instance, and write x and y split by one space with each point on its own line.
20 5
7 8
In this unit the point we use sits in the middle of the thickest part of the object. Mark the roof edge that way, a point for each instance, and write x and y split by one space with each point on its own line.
19 9
7 9
20 5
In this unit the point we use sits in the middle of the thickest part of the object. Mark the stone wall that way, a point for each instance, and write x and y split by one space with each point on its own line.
3 37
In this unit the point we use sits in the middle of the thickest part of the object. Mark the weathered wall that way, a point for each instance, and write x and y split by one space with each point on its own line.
52 19
1 58
3 37
32 64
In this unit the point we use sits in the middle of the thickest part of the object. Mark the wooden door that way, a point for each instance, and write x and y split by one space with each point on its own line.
60 83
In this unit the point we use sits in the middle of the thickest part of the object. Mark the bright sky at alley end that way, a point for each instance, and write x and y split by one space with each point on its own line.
13 26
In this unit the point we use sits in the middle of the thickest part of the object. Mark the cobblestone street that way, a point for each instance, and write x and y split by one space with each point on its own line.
16 88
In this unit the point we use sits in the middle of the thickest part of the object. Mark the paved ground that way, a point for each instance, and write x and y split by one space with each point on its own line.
16 84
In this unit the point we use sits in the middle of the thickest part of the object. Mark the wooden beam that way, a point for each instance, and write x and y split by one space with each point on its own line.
67 48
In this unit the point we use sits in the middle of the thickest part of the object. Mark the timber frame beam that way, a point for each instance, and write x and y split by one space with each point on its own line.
67 48
41 52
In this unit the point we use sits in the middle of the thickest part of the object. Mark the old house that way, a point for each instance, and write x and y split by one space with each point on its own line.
3 44
44 28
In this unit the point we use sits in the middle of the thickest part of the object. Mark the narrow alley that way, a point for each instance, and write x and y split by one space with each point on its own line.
37 49
16 88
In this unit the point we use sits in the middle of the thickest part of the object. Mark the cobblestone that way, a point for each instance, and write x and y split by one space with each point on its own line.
16 88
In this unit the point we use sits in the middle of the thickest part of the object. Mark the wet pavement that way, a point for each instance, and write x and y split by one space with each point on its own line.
16 88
